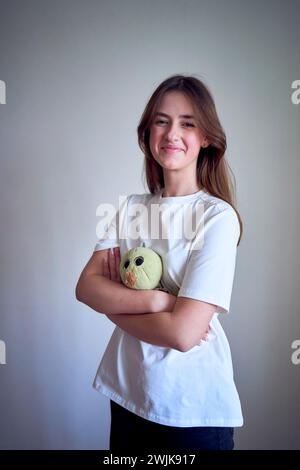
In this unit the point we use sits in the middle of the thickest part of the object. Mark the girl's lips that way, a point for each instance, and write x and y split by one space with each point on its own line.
171 150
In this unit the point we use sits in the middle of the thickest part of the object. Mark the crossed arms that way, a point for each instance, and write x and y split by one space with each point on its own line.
153 316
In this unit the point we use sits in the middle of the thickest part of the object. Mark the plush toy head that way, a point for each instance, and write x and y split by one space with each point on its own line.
141 268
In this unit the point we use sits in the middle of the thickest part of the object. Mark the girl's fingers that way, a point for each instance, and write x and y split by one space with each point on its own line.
106 272
112 264
205 337
117 261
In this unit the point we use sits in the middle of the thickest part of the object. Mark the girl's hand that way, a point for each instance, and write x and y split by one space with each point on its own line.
205 337
111 265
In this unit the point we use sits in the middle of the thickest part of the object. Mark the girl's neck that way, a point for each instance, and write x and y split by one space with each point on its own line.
184 187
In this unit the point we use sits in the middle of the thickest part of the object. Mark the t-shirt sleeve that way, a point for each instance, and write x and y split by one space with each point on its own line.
110 234
210 269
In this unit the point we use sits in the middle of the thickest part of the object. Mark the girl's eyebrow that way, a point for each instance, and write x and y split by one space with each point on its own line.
185 116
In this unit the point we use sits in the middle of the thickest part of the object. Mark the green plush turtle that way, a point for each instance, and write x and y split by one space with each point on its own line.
141 268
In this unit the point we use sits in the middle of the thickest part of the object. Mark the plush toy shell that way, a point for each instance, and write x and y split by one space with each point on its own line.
141 268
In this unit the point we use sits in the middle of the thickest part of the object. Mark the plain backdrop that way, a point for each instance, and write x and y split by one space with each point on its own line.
78 76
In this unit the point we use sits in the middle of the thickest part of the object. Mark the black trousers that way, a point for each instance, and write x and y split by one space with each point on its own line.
131 432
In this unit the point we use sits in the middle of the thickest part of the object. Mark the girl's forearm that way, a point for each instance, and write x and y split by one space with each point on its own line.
154 328
109 297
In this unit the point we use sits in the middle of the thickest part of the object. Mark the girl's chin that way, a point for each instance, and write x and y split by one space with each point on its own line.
170 159
171 166
168 162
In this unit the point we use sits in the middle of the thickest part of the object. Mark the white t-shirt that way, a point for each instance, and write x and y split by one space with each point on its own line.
164 385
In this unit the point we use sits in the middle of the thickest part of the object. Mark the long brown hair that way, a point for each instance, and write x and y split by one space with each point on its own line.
213 171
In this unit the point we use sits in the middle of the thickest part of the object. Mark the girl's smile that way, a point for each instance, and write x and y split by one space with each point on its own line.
171 150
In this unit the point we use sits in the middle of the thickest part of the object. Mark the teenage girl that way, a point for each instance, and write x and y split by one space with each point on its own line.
167 369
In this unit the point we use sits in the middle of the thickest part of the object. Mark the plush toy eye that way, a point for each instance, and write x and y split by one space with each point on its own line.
126 264
139 261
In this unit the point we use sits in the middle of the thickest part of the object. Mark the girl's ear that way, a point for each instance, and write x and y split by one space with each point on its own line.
205 143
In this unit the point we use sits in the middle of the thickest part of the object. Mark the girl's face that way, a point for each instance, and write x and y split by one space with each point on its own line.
175 136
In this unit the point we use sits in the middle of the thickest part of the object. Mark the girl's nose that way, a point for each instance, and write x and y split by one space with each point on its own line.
172 132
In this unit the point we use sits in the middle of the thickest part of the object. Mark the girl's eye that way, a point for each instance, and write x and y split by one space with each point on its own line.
188 124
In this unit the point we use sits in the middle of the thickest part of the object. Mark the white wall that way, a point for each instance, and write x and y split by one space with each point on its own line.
78 75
